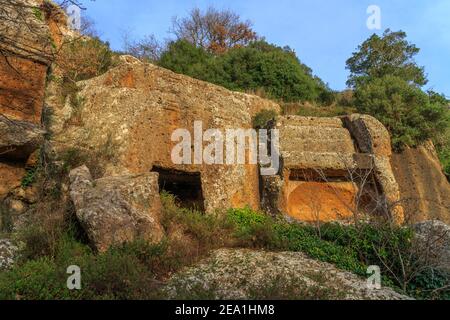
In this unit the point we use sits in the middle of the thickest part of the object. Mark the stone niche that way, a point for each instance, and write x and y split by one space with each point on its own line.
185 186
319 199
331 168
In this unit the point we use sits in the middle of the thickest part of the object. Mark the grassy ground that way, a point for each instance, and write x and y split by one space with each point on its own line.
138 270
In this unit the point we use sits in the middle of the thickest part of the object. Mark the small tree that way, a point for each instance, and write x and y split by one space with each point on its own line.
387 84
390 54
83 58
147 49
215 31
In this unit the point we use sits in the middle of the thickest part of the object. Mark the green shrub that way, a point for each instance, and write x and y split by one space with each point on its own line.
258 66
258 230
117 274
37 279
84 58
352 248
431 284
29 178
208 229
444 156
405 110
261 119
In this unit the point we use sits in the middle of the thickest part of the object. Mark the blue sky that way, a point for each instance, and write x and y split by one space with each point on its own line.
324 33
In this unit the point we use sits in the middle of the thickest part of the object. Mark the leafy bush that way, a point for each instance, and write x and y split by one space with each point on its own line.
116 274
406 111
258 230
84 58
258 66
29 177
444 156
210 230
431 284
261 119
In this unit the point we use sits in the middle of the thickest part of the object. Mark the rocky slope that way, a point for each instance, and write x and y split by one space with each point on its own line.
425 190
247 274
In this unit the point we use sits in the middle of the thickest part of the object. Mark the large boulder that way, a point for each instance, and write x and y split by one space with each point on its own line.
433 237
248 274
115 210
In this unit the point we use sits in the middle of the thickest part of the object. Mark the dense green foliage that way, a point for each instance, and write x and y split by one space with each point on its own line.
390 54
444 156
257 67
387 84
406 111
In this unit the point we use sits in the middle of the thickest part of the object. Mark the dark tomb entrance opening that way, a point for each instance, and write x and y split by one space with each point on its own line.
185 186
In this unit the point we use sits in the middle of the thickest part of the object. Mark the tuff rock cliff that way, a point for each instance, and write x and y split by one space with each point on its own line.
122 122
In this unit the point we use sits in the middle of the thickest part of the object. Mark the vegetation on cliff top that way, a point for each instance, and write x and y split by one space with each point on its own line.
387 84
385 81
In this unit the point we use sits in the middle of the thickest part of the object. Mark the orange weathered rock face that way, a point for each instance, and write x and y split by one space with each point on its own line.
32 30
317 201
134 109
424 189
22 86
26 52
11 176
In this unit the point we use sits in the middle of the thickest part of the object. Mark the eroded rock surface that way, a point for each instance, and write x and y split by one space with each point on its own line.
132 111
244 274
434 238
116 210
425 190
31 31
